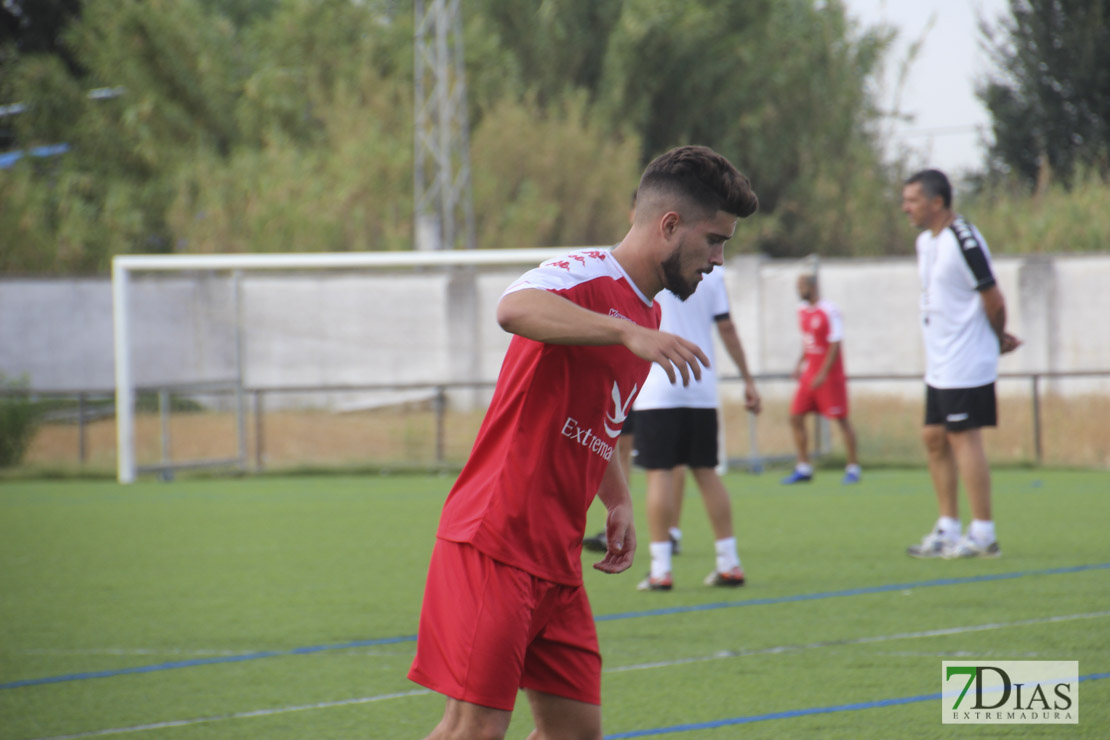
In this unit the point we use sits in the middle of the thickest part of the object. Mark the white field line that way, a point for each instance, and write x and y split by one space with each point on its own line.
724 654
780 649
197 652
954 654
240 715
185 652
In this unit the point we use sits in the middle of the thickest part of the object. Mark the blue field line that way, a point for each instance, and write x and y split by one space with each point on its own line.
851 592
172 665
789 714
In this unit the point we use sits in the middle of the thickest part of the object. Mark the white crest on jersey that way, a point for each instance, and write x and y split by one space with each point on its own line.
620 410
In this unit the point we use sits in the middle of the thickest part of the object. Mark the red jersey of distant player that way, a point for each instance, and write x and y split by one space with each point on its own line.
821 326
551 429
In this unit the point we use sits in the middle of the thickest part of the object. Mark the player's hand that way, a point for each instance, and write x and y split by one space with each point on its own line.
1008 343
621 536
752 400
677 356
817 382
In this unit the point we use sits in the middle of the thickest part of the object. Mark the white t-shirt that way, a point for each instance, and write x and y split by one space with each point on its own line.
693 319
961 349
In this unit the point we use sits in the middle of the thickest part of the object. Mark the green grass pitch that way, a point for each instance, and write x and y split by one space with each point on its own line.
266 608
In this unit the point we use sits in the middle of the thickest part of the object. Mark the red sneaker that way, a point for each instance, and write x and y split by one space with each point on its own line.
734 577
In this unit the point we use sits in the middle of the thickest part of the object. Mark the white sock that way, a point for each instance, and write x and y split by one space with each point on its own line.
804 468
727 559
676 534
660 558
981 532
949 527
853 468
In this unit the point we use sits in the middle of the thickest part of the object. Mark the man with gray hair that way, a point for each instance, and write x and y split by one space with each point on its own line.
963 317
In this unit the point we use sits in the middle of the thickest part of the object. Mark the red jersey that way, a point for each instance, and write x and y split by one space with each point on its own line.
551 429
821 326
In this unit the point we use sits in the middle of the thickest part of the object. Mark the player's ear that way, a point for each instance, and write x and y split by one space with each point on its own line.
669 223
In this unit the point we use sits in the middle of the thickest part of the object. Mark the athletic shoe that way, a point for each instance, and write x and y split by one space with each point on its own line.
933 545
676 546
656 584
850 477
797 477
969 548
597 543
734 577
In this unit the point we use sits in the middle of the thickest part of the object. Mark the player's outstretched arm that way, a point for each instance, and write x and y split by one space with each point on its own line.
546 317
619 530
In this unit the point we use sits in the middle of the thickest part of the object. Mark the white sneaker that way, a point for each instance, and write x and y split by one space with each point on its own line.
932 545
969 548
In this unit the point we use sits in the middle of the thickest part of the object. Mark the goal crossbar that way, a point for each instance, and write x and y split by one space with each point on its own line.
123 266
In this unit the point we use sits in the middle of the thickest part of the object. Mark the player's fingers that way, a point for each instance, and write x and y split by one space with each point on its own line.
684 370
612 564
695 356
621 564
668 368
700 354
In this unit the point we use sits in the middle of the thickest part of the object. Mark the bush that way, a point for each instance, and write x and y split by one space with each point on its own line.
17 422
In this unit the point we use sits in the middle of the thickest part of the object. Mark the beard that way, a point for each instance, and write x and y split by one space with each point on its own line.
673 279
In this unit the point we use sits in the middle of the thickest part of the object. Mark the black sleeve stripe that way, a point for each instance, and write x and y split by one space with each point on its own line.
974 254
722 316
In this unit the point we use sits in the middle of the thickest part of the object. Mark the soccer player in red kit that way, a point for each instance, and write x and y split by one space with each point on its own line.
504 605
822 386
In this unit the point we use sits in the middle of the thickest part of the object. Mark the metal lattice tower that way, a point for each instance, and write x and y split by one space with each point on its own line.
443 213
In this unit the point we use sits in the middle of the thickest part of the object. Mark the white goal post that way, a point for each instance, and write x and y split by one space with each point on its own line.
126 267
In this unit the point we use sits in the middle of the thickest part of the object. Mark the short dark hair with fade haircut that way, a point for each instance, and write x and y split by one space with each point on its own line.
703 179
933 183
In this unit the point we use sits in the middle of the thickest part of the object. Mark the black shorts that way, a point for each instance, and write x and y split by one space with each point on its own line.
629 423
961 408
667 438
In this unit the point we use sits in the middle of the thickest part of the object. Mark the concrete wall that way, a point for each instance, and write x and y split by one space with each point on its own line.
439 326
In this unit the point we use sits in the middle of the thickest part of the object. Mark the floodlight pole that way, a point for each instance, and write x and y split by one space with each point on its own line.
441 159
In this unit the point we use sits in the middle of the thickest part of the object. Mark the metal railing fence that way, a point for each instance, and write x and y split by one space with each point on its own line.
85 407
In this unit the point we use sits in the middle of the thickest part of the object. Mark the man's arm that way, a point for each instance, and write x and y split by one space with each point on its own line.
995 307
823 371
735 348
619 530
546 317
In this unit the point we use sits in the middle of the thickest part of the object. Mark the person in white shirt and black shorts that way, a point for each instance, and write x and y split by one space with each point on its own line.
963 318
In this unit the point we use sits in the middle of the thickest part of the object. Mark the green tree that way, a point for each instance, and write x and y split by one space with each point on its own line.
545 49
18 420
778 87
550 176
262 125
1050 100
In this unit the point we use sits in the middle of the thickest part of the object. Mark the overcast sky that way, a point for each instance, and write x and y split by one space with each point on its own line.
948 123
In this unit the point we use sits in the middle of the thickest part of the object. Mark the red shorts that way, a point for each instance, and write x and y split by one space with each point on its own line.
830 399
488 629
